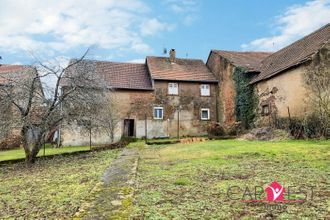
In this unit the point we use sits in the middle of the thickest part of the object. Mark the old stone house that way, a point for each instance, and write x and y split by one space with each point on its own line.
167 95
277 79
164 97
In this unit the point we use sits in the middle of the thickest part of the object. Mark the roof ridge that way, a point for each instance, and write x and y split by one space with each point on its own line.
108 61
176 58
235 51
299 40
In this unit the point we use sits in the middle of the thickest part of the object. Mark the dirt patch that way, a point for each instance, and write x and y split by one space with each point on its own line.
266 134
192 140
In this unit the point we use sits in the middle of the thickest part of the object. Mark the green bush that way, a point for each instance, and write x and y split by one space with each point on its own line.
316 127
312 126
245 99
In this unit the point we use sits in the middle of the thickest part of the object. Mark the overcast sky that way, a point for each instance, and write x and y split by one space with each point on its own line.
129 30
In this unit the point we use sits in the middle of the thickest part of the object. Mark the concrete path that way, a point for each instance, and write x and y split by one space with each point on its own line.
112 198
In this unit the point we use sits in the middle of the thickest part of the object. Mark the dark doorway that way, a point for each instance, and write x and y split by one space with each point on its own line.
129 127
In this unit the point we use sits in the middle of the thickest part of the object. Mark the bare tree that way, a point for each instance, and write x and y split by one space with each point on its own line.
73 96
317 79
110 116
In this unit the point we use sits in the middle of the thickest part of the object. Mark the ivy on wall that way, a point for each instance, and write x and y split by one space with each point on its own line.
246 99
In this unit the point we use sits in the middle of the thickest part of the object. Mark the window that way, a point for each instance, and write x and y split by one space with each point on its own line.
205 114
173 89
265 110
205 90
158 112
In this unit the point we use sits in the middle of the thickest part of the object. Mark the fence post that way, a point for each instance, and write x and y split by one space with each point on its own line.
146 128
178 122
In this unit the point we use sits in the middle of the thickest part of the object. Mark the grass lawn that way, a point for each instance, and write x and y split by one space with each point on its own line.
52 188
19 153
191 181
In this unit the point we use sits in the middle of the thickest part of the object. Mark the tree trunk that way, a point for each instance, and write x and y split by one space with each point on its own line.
30 154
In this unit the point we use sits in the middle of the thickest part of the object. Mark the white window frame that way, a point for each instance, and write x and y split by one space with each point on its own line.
208 114
205 89
155 116
173 88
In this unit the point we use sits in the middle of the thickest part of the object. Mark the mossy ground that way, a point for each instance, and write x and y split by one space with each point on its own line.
180 181
52 188
191 181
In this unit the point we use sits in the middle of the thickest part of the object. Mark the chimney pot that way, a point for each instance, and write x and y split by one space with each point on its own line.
172 55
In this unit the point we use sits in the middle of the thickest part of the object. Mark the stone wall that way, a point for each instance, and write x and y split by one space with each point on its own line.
223 70
191 102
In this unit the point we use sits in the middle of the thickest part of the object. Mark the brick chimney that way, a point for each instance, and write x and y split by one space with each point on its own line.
172 55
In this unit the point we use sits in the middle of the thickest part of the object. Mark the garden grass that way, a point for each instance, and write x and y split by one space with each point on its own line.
51 189
19 153
191 181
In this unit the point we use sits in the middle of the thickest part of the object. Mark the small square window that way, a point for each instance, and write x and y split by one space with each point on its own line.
205 114
158 112
265 110
173 89
205 90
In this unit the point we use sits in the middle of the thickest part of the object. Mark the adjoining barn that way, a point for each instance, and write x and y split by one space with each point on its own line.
258 88
282 86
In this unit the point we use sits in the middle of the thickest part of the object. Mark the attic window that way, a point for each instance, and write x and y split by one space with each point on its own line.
265 110
205 90
173 89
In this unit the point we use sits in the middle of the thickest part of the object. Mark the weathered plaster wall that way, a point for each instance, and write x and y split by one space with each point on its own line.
285 90
125 100
191 102
223 70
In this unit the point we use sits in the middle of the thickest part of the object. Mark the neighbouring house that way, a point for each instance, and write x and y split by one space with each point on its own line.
224 65
275 82
164 97
12 78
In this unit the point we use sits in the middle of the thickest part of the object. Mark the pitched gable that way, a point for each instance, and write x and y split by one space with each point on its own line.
249 60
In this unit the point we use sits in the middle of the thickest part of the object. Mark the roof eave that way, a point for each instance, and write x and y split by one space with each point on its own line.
274 74
179 80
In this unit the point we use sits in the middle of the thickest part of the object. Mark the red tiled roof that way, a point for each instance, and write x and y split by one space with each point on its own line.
181 70
125 75
119 75
295 54
249 60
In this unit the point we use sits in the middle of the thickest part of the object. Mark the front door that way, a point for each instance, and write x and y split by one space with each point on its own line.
129 127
